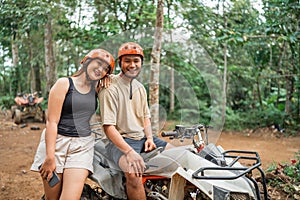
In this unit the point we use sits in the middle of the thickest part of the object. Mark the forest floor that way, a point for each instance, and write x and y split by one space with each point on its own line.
18 146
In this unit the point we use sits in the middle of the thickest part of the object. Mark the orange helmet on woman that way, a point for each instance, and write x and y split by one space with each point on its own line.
103 55
130 48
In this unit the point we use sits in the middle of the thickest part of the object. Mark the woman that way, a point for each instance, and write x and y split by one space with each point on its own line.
69 143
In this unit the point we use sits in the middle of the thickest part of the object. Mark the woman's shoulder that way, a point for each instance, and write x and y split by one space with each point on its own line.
61 84
62 80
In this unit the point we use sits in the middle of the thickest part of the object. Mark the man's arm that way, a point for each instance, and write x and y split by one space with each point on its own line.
147 128
149 144
115 137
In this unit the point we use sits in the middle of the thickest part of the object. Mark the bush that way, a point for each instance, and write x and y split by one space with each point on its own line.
254 118
6 102
286 176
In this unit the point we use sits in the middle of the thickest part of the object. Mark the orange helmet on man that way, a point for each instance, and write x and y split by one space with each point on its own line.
132 61
130 48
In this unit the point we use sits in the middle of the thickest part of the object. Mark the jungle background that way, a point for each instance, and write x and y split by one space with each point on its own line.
255 46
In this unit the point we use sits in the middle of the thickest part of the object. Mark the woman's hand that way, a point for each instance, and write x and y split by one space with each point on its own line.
106 81
47 168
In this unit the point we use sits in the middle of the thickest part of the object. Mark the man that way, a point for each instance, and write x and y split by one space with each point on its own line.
126 120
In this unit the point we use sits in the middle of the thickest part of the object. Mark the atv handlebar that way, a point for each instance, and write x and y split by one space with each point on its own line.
169 134
197 133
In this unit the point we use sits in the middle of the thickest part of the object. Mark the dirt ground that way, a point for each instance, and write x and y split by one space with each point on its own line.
18 145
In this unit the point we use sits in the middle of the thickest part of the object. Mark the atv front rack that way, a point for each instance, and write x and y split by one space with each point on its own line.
239 171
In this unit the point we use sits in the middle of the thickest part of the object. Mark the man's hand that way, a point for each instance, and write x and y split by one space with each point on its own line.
149 145
135 163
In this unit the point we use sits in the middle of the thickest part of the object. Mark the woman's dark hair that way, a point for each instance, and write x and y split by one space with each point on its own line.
83 68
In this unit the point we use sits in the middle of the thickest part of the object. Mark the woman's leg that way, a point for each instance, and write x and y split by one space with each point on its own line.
52 193
73 182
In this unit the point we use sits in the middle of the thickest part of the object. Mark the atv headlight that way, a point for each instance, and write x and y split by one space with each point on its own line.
221 193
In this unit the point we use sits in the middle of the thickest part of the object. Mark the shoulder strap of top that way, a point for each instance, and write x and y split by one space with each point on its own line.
71 84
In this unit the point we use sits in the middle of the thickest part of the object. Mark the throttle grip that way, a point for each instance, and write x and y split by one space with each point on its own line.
169 134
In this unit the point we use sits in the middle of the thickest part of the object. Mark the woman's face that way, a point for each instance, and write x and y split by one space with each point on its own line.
97 69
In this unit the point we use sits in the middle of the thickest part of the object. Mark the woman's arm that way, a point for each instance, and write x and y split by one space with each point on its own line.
55 102
104 83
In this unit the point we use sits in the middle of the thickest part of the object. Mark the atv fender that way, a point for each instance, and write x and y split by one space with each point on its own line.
178 181
106 173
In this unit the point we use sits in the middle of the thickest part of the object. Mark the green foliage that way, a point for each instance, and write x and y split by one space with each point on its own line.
234 121
6 102
253 118
256 118
44 103
286 175
262 52
191 91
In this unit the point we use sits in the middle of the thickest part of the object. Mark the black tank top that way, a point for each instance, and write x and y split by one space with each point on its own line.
77 111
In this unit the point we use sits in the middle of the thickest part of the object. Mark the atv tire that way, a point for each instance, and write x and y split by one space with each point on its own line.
17 116
13 110
39 115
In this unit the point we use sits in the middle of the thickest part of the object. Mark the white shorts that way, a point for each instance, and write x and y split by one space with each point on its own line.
70 152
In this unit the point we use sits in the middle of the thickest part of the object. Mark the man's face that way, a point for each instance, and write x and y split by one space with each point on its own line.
131 65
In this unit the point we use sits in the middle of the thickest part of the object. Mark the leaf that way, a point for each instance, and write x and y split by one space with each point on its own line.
296 196
292 39
239 39
297 188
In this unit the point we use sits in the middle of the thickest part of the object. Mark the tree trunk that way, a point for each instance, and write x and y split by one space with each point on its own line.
50 68
280 70
32 77
15 60
289 93
155 62
259 93
15 53
172 88
37 73
171 96
224 74
278 92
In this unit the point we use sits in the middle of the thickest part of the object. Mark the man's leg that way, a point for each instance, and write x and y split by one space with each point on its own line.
134 185
161 143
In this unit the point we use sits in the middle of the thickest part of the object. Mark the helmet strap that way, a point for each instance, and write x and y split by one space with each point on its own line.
88 77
